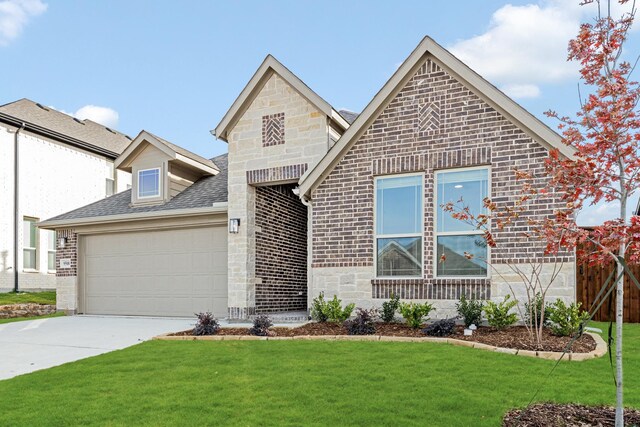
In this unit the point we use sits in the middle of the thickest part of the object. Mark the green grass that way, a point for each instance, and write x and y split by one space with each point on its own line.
21 319
47 297
311 383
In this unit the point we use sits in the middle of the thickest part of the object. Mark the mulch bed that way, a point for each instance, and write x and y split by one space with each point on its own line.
515 337
568 415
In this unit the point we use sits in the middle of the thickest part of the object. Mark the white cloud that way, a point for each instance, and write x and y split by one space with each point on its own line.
597 214
14 15
525 46
103 115
517 91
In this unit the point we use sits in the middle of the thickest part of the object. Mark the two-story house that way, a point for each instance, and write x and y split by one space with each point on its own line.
50 163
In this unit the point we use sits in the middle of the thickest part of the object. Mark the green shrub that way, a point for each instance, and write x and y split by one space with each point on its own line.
389 309
533 312
414 313
566 320
330 311
470 311
498 314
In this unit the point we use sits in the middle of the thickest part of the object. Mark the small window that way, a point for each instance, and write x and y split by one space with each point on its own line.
29 244
51 250
109 187
148 183
399 212
455 239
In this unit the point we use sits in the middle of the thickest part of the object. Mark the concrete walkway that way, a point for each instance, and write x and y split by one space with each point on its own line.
39 344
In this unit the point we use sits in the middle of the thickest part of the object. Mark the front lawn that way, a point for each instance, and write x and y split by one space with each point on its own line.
47 297
304 383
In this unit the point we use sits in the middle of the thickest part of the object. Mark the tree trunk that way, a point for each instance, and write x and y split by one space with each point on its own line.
619 323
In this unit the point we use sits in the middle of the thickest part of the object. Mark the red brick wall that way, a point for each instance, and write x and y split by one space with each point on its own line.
433 123
69 251
281 250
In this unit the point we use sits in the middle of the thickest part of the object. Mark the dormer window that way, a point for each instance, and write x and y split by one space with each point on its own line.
148 183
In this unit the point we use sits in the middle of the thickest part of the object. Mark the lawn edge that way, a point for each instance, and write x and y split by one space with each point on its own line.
599 351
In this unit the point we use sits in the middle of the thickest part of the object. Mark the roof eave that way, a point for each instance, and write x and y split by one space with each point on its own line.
110 219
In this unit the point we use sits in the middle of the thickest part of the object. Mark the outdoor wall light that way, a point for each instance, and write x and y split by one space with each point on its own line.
62 241
234 225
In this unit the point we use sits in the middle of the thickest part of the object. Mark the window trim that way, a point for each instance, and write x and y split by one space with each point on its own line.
437 233
52 235
401 235
34 220
155 196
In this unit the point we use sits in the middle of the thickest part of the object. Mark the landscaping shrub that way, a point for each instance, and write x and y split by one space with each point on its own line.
261 325
389 309
362 324
470 311
319 309
440 328
566 320
498 314
206 324
414 313
533 313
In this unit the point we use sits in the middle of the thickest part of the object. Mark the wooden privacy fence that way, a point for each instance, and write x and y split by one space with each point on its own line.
589 282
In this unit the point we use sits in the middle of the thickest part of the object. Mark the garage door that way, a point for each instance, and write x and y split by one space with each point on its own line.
155 273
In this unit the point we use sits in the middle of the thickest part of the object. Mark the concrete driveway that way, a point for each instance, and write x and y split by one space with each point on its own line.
39 344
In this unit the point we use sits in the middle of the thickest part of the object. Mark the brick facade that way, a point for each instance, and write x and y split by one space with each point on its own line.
281 250
433 123
70 251
272 129
276 174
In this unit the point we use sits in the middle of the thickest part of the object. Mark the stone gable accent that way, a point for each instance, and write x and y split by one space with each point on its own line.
276 174
273 129
433 123
281 250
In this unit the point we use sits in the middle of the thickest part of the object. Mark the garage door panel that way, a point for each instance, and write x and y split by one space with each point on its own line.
156 273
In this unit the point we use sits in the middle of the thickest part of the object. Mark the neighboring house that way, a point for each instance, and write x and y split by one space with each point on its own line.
60 163
317 201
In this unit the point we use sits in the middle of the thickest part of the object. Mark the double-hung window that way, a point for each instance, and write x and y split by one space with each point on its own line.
398 225
461 250
51 250
29 244
148 183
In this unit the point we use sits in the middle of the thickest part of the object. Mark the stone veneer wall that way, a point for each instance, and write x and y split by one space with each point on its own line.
67 278
281 250
433 123
306 140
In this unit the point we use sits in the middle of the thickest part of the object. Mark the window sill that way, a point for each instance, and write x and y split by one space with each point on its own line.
30 270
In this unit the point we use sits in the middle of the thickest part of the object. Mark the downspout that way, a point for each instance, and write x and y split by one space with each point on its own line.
16 205
309 206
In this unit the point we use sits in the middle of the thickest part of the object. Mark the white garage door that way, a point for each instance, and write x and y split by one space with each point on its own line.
155 273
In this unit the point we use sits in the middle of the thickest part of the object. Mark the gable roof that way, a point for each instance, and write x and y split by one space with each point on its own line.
428 48
269 66
175 152
87 131
207 192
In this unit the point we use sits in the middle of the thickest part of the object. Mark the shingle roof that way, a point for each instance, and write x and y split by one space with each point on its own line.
202 193
84 130
183 151
349 116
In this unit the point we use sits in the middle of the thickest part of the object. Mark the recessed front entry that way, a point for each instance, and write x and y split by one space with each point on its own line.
155 273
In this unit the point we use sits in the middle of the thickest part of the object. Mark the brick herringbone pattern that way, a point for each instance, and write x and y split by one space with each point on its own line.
273 129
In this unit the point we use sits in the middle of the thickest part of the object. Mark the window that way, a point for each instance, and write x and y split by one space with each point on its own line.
29 243
148 183
109 187
455 238
51 250
399 212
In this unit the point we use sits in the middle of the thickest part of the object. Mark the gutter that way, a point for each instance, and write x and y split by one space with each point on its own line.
16 205
140 216
42 131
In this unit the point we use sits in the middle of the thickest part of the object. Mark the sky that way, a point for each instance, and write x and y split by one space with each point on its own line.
174 68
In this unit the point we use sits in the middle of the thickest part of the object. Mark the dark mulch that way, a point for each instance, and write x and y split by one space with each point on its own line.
514 337
567 415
